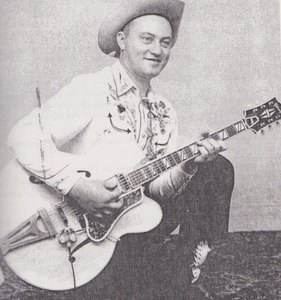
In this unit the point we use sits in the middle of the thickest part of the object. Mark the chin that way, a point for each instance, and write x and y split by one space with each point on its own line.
152 73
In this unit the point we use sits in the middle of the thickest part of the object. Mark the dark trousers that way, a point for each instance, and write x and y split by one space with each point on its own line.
203 208
144 266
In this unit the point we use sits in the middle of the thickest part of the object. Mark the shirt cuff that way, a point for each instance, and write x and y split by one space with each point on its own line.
189 169
64 180
182 178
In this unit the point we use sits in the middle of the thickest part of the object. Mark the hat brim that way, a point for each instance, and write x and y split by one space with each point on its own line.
172 10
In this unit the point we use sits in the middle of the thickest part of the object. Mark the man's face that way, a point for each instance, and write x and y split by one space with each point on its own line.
147 46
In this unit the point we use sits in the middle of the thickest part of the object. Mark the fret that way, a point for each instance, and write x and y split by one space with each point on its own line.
158 166
187 150
176 157
170 161
136 178
144 174
183 155
231 130
223 134
174 161
194 149
140 176
161 165
215 136
239 126
147 172
132 180
154 169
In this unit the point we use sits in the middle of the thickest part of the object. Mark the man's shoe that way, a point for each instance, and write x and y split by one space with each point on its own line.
199 256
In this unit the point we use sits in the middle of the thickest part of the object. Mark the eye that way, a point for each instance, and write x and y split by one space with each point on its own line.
147 39
166 43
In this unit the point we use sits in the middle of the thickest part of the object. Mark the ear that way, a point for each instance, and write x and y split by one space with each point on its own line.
120 37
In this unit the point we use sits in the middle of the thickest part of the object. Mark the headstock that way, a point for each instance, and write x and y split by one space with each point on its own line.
261 116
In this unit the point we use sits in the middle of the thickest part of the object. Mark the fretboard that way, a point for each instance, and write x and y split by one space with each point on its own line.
158 166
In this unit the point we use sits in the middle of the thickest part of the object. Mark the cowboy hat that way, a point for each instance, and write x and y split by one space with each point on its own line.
130 9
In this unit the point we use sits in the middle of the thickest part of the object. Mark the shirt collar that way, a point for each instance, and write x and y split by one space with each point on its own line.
124 83
121 79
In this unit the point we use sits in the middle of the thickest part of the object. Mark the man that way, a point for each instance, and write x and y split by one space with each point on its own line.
52 142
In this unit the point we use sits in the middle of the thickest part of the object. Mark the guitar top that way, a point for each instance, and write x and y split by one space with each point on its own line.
50 242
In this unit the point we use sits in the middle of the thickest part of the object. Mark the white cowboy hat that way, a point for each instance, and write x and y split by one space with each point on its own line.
130 9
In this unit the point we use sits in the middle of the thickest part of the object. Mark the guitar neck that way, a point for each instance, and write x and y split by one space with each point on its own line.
158 166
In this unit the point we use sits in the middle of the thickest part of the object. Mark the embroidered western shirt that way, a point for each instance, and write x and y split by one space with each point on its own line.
51 142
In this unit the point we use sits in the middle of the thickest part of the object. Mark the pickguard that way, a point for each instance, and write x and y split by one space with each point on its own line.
101 227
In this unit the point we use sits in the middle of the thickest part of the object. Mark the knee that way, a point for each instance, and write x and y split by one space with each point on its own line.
225 165
224 170
221 170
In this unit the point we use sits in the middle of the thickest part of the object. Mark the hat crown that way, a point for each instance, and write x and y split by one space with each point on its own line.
172 10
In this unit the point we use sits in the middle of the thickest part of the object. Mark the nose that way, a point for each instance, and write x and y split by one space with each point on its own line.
156 48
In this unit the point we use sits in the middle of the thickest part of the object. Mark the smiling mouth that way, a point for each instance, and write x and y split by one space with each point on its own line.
154 59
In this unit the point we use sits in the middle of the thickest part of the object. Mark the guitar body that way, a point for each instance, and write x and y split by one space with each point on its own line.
53 248
46 263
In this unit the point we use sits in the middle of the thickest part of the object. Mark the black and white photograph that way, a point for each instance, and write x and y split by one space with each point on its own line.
140 150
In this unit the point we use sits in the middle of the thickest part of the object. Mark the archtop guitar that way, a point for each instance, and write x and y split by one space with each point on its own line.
52 243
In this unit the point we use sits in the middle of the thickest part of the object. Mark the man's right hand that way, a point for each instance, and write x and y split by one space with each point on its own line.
97 196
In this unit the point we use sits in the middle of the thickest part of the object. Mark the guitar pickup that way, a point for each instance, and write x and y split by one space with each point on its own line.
124 183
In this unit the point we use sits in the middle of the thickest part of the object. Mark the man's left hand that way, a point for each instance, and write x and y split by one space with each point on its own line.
209 149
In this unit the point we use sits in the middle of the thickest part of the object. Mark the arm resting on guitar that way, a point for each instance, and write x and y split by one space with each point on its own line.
175 180
172 182
36 139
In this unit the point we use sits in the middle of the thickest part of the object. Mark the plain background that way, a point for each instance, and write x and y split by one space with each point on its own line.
227 58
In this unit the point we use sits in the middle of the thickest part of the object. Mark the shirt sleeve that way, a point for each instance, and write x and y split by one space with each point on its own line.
36 139
172 182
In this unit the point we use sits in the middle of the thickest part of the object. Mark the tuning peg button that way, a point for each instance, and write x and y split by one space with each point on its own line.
270 127
262 132
277 123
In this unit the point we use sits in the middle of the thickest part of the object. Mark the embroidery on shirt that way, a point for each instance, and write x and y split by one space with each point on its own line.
149 147
131 119
122 112
112 94
161 113
158 118
151 126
